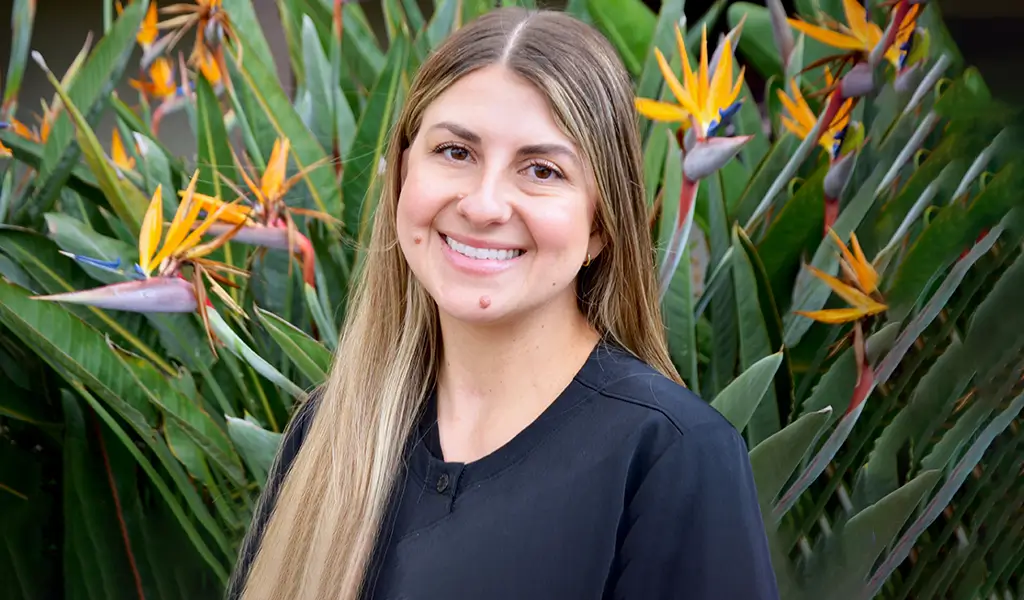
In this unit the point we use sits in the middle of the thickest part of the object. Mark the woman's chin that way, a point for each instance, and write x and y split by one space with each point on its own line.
475 307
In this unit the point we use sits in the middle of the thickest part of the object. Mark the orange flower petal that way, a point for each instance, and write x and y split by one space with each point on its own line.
152 227
835 39
661 111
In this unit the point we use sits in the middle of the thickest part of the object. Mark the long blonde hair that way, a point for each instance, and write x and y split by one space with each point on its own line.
324 524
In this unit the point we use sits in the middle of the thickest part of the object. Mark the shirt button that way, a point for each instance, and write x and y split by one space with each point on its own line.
442 483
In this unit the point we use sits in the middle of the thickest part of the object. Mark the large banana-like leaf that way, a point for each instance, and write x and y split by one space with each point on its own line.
760 334
774 459
23 15
191 497
95 559
629 25
313 359
944 495
650 81
127 201
214 148
27 503
128 384
365 165
952 231
756 44
844 565
739 400
56 274
306 152
88 91
256 445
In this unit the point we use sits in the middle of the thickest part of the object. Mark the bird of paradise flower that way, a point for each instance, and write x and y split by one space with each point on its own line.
859 35
157 281
860 291
268 221
210 21
706 101
841 139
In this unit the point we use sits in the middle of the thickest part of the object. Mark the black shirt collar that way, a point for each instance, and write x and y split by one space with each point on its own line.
426 461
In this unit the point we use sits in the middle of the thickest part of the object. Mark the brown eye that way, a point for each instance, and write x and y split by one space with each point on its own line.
545 172
457 153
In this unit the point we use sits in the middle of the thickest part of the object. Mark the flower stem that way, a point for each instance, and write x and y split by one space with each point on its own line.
680 234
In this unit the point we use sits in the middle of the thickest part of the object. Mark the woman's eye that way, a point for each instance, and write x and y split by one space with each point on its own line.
544 172
456 153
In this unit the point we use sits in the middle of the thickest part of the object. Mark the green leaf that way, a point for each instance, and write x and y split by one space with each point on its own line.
214 149
723 302
944 496
247 27
237 346
311 357
96 560
757 44
256 445
267 92
844 565
23 15
651 81
128 383
748 121
88 91
629 25
934 395
126 200
754 340
794 233
443 22
27 565
763 175
361 171
191 497
81 180
953 230
738 401
14 404
774 459
332 116
56 274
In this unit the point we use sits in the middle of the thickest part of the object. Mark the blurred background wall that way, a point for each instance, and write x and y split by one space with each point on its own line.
990 34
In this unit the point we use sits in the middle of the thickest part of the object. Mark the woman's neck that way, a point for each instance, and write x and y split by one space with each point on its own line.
495 380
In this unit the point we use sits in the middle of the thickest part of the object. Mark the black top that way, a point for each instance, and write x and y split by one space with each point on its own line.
628 486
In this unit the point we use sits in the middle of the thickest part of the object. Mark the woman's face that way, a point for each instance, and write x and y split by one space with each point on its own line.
496 211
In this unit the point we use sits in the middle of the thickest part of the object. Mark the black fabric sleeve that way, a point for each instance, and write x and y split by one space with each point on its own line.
294 434
693 529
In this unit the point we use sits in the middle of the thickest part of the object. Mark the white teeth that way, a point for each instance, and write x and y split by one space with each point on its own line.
481 253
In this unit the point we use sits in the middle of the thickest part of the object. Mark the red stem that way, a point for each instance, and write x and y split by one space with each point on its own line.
831 212
308 260
902 8
120 512
835 101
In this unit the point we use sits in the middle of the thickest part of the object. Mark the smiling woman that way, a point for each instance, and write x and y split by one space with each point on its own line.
502 419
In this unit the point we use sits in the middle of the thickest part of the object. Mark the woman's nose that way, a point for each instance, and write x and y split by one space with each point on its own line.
486 202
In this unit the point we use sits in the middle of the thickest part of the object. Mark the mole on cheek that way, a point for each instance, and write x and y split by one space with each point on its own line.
417 239
485 301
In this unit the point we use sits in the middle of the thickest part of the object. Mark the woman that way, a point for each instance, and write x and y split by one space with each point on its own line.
502 419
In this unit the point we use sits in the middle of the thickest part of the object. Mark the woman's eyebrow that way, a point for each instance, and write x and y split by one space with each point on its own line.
529 150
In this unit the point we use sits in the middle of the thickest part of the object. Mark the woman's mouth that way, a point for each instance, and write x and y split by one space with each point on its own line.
481 253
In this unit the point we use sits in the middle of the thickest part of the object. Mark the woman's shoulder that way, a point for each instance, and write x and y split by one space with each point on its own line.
628 385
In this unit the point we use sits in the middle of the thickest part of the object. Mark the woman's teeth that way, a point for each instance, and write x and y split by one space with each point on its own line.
481 253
